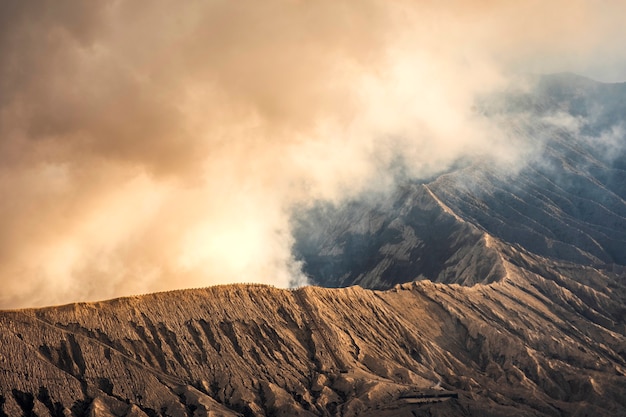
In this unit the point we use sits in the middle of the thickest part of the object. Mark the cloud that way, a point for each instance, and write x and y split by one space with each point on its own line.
151 146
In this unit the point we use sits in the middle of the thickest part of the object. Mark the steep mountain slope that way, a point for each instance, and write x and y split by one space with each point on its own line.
414 237
418 349
567 202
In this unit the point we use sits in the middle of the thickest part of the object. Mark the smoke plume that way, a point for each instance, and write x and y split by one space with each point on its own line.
147 146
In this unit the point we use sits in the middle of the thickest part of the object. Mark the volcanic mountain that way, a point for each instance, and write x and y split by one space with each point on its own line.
565 203
484 291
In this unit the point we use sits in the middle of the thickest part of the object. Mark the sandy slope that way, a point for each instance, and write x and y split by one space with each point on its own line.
503 349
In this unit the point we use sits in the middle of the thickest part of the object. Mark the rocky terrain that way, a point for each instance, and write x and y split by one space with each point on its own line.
418 349
566 202
481 292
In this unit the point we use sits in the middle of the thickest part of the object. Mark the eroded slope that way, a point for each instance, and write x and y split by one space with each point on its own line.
503 349
411 236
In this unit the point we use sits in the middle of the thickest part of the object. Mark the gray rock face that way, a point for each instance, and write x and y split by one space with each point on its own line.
567 202
415 237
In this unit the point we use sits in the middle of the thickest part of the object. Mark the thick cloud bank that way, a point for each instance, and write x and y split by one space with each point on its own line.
147 146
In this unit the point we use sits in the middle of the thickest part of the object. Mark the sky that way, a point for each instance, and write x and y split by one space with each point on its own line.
149 146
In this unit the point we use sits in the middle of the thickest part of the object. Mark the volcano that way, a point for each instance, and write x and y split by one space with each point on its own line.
484 291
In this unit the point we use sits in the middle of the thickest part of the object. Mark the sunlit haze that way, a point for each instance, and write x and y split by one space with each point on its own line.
148 146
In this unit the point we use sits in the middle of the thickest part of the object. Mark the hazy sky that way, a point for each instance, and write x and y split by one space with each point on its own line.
152 145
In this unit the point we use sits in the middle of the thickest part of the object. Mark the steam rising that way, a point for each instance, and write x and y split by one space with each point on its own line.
152 146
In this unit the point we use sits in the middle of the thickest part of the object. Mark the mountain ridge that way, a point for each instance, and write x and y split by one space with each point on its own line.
258 339
566 202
